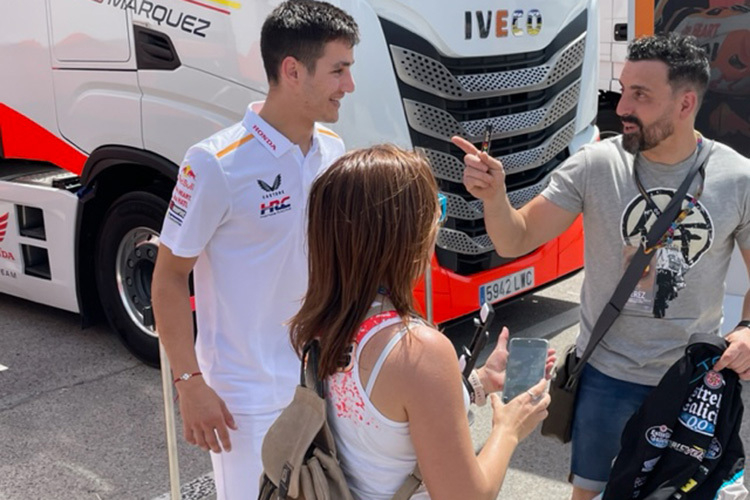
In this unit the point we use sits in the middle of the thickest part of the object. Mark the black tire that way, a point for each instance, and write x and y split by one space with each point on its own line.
606 119
609 123
125 256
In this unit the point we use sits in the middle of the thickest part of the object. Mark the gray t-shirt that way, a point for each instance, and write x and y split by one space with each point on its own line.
682 290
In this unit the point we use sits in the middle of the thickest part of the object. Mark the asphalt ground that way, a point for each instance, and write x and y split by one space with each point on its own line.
81 419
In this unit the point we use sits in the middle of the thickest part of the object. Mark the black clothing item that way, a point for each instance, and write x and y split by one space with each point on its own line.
683 443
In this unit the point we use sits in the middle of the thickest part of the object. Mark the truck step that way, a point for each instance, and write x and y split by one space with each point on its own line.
38 210
38 173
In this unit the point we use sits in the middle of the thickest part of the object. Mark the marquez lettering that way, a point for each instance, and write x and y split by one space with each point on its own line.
161 14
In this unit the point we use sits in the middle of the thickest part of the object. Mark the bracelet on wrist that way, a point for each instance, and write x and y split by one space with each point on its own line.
745 323
186 376
469 388
480 396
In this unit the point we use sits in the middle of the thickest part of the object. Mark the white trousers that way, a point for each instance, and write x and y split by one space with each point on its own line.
237 473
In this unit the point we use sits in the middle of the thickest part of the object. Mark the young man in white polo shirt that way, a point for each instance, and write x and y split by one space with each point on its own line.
237 219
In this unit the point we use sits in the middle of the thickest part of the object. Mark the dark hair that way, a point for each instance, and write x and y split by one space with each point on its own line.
687 63
373 218
301 28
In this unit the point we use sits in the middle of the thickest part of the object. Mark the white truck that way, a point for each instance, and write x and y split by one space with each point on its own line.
101 98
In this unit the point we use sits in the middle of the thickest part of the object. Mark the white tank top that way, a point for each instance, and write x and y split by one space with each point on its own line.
376 453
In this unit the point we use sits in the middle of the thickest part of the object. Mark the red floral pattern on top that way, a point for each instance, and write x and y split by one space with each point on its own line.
342 388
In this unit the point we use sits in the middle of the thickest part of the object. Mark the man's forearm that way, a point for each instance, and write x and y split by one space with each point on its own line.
506 227
174 321
746 306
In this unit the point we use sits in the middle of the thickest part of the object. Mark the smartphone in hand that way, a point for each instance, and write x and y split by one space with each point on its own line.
527 359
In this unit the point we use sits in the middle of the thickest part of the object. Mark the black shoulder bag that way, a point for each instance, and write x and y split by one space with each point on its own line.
564 385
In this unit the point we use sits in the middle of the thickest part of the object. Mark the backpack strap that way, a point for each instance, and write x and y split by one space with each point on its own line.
308 376
410 485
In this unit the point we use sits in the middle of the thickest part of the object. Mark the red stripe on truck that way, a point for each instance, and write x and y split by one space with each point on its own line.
25 139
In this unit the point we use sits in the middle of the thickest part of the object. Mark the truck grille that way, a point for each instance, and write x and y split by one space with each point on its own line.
430 75
530 100
440 124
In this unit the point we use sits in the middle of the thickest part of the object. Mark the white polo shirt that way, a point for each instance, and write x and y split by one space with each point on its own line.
239 205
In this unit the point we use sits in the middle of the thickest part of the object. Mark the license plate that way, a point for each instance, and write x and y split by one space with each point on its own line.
506 286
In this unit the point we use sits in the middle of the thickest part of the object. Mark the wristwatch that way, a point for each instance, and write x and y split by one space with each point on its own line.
745 323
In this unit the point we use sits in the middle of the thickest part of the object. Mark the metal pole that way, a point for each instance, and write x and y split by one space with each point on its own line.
428 292
169 419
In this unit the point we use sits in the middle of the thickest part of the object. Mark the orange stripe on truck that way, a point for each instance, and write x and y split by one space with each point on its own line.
644 18
234 145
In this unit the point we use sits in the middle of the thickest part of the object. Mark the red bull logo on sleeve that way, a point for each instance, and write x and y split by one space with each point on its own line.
188 172
187 178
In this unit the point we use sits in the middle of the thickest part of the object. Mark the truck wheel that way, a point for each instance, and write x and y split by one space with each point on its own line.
606 119
125 258
609 123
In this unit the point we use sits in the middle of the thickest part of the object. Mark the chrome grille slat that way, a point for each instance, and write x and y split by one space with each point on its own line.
440 124
528 121
430 75
448 167
460 242
538 156
459 208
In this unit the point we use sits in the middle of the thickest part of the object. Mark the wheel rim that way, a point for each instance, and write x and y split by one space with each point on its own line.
136 258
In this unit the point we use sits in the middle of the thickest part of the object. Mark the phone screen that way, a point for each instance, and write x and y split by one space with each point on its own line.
526 361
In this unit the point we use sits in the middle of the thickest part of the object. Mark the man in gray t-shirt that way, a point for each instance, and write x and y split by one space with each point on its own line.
682 289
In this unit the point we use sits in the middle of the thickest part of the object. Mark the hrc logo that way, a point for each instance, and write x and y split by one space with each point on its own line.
274 207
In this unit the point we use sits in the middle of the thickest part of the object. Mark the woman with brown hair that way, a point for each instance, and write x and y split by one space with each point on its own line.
393 386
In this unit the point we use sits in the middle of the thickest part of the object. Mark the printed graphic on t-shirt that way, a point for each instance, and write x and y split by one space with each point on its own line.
273 200
182 195
691 239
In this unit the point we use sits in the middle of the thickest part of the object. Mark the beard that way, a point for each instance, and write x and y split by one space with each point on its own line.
646 137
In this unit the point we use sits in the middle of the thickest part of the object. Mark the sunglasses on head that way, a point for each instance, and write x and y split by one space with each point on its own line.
443 207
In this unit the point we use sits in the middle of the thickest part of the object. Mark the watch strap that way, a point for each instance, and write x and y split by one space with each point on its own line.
480 396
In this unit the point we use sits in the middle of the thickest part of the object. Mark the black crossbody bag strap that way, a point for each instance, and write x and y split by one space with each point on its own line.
638 264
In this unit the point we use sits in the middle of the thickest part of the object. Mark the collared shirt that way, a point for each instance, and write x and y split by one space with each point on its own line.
239 205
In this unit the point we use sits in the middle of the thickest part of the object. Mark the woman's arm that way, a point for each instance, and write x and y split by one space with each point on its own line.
423 374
